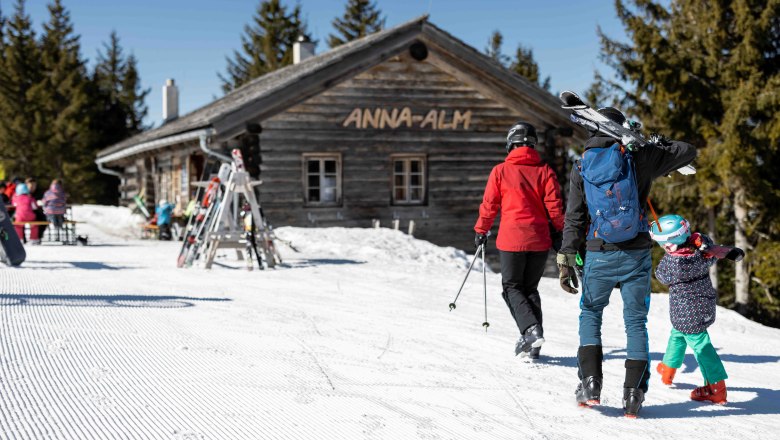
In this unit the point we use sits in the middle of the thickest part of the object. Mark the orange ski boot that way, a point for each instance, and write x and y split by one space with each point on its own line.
715 393
666 372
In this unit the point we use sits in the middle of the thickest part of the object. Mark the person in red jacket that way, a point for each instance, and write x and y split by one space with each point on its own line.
526 193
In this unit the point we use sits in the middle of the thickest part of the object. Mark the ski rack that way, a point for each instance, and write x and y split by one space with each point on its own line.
226 229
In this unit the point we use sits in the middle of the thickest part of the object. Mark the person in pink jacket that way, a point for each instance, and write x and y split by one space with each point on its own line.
25 212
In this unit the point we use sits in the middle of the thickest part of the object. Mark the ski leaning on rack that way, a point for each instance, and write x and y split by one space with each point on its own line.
196 233
13 252
589 118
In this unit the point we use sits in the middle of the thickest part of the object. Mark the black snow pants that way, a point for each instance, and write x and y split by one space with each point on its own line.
520 275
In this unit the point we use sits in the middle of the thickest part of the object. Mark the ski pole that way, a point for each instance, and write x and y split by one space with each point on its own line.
474 260
655 216
485 324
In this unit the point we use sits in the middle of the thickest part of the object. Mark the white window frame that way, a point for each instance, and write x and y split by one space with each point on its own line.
407 159
321 157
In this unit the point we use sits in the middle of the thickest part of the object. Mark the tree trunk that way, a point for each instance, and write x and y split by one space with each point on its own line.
711 229
742 273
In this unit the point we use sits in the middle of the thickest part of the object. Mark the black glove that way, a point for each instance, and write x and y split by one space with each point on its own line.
568 273
479 240
557 240
702 242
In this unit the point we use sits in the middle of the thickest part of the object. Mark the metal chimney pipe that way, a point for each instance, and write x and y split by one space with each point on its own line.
302 49
170 101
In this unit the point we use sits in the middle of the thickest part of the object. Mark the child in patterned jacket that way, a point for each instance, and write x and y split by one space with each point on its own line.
692 302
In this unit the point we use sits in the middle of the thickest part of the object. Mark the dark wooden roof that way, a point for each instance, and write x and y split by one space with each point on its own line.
278 90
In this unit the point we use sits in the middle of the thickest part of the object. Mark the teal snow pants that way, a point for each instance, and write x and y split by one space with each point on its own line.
604 270
709 362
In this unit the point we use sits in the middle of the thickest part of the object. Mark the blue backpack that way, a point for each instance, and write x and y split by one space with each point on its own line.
612 195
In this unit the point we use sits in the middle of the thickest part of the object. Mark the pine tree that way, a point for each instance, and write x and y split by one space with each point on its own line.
134 97
2 64
119 104
267 44
361 18
709 72
598 94
20 74
525 65
2 37
493 49
63 129
107 81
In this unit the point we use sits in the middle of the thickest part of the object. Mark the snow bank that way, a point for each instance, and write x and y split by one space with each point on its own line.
372 245
113 221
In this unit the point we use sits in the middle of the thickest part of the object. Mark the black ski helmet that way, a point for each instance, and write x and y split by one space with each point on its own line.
613 114
522 133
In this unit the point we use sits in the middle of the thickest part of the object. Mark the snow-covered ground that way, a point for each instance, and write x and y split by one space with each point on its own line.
353 339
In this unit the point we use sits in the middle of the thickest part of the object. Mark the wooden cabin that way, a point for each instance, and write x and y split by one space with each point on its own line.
404 124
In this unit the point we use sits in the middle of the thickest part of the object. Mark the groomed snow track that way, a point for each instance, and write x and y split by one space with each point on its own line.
352 340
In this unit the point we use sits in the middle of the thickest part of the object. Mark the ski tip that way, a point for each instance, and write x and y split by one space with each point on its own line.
565 94
687 170
571 100
630 416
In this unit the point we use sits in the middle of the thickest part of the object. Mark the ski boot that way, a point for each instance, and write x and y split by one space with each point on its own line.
666 372
533 337
534 353
589 391
715 393
632 401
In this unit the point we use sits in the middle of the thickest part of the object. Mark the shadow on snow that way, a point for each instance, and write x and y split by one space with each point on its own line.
765 400
312 262
135 301
689 363
84 265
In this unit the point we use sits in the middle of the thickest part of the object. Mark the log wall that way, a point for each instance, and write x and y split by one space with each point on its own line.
399 106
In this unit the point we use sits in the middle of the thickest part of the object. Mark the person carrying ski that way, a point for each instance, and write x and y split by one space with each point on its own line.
608 190
692 300
54 205
25 212
526 193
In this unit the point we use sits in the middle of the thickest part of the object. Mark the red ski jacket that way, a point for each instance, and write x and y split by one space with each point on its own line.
527 194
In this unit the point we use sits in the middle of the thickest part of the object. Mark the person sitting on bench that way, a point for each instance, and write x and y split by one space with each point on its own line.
54 205
25 212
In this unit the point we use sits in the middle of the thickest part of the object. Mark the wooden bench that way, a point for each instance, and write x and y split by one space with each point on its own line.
150 231
67 232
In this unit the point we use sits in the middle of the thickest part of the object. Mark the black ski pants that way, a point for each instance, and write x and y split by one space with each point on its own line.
520 275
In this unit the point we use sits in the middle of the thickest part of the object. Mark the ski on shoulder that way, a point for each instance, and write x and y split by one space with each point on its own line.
588 117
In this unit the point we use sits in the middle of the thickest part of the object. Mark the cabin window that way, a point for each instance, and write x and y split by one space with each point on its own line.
322 179
408 180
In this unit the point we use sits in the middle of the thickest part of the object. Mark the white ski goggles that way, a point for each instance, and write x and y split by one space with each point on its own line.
662 238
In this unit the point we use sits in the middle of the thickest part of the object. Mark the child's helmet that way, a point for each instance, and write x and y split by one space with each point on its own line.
671 228
21 188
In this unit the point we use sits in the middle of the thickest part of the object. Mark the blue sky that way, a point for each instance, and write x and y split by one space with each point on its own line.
188 40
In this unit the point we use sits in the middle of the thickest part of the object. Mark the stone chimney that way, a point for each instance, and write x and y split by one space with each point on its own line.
170 101
302 49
